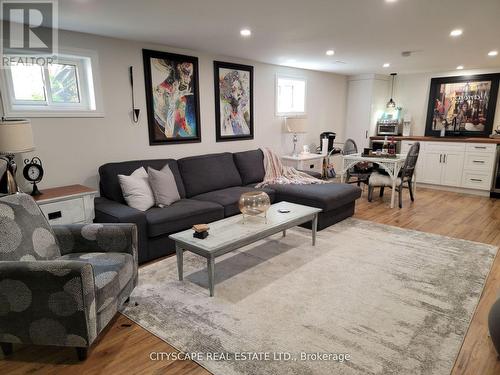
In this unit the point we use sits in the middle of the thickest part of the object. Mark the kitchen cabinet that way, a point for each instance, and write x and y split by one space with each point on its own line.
454 164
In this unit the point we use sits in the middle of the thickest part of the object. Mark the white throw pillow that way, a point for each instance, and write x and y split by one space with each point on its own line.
136 190
163 185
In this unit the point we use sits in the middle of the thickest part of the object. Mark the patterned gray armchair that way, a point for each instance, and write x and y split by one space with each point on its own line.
60 285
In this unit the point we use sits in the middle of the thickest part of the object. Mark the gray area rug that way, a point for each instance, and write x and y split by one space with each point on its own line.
396 301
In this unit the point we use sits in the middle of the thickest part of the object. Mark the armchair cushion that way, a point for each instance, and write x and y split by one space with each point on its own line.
25 233
102 245
108 238
112 272
47 303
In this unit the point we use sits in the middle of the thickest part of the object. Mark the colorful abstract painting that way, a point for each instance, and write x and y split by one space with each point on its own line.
462 105
172 97
233 101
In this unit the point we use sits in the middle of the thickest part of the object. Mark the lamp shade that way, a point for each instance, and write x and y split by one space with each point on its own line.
296 125
16 137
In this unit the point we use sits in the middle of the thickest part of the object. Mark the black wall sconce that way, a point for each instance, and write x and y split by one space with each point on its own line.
135 111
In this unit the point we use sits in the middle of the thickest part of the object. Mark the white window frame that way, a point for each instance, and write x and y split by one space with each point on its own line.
87 70
290 114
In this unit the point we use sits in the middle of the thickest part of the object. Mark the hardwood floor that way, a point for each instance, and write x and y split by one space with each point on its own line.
125 347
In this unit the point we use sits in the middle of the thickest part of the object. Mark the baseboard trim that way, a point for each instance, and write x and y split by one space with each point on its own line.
481 193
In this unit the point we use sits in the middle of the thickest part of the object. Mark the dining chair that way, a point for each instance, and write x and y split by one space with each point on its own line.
406 174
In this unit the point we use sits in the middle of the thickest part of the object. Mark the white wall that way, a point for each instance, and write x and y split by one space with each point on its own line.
411 91
73 148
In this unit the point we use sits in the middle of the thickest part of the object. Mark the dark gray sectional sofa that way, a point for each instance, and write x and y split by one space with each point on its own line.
210 187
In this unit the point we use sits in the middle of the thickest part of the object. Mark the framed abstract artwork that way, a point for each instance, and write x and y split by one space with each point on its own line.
233 101
463 106
172 97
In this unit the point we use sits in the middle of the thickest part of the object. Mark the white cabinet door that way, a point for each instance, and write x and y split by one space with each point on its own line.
431 169
453 165
359 97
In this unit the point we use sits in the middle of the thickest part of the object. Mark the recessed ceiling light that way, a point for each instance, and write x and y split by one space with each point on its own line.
245 32
386 65
391 1
330 52
460 67
456 32
492 53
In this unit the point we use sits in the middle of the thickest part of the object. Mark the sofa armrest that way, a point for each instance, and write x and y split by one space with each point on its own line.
47 303
108 211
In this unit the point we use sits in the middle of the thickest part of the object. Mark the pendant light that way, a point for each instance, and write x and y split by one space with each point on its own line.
391 103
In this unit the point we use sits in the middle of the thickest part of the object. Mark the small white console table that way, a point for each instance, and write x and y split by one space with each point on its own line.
305 162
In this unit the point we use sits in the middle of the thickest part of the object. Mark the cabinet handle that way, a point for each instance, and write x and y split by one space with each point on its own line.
478 161
54 215
476 180
444 158
440 158
366 134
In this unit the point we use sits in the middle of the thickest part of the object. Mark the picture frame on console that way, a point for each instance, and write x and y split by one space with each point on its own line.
463 105
233 101
172 97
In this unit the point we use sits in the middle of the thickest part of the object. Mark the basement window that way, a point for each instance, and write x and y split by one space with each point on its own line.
290 96
62 88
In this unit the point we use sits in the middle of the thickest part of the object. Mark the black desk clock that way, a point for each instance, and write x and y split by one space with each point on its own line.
33 173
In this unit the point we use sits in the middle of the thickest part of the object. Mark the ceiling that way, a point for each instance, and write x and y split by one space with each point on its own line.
365 34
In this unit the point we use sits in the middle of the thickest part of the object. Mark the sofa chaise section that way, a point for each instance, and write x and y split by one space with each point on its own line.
336 200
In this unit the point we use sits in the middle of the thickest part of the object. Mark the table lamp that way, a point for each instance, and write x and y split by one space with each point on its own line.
295 125
16 137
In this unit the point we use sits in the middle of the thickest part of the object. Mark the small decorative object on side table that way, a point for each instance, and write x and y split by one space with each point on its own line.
254 203
72 204
33 172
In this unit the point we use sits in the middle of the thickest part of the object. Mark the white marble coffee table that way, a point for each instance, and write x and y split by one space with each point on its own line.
232 233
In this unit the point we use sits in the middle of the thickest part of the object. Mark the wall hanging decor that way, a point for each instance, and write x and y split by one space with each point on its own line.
135 111
172 97
233 101
463 106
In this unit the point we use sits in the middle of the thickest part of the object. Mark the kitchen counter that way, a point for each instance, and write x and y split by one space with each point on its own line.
442 139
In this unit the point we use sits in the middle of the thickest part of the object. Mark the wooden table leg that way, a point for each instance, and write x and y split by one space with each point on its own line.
180 261
314 228
211 274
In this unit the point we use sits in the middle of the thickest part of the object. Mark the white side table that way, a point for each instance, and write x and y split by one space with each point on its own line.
305 162
72 204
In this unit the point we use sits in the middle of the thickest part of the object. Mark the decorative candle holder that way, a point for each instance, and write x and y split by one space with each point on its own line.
254 203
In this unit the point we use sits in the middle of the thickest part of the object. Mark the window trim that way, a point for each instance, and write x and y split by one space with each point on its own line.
289 114
89 106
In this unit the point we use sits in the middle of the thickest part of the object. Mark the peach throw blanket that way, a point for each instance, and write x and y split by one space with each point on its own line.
278 174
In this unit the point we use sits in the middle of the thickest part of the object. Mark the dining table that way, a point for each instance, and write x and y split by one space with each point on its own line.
391 164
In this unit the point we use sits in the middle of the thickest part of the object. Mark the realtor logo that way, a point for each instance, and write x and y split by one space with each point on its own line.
29 27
